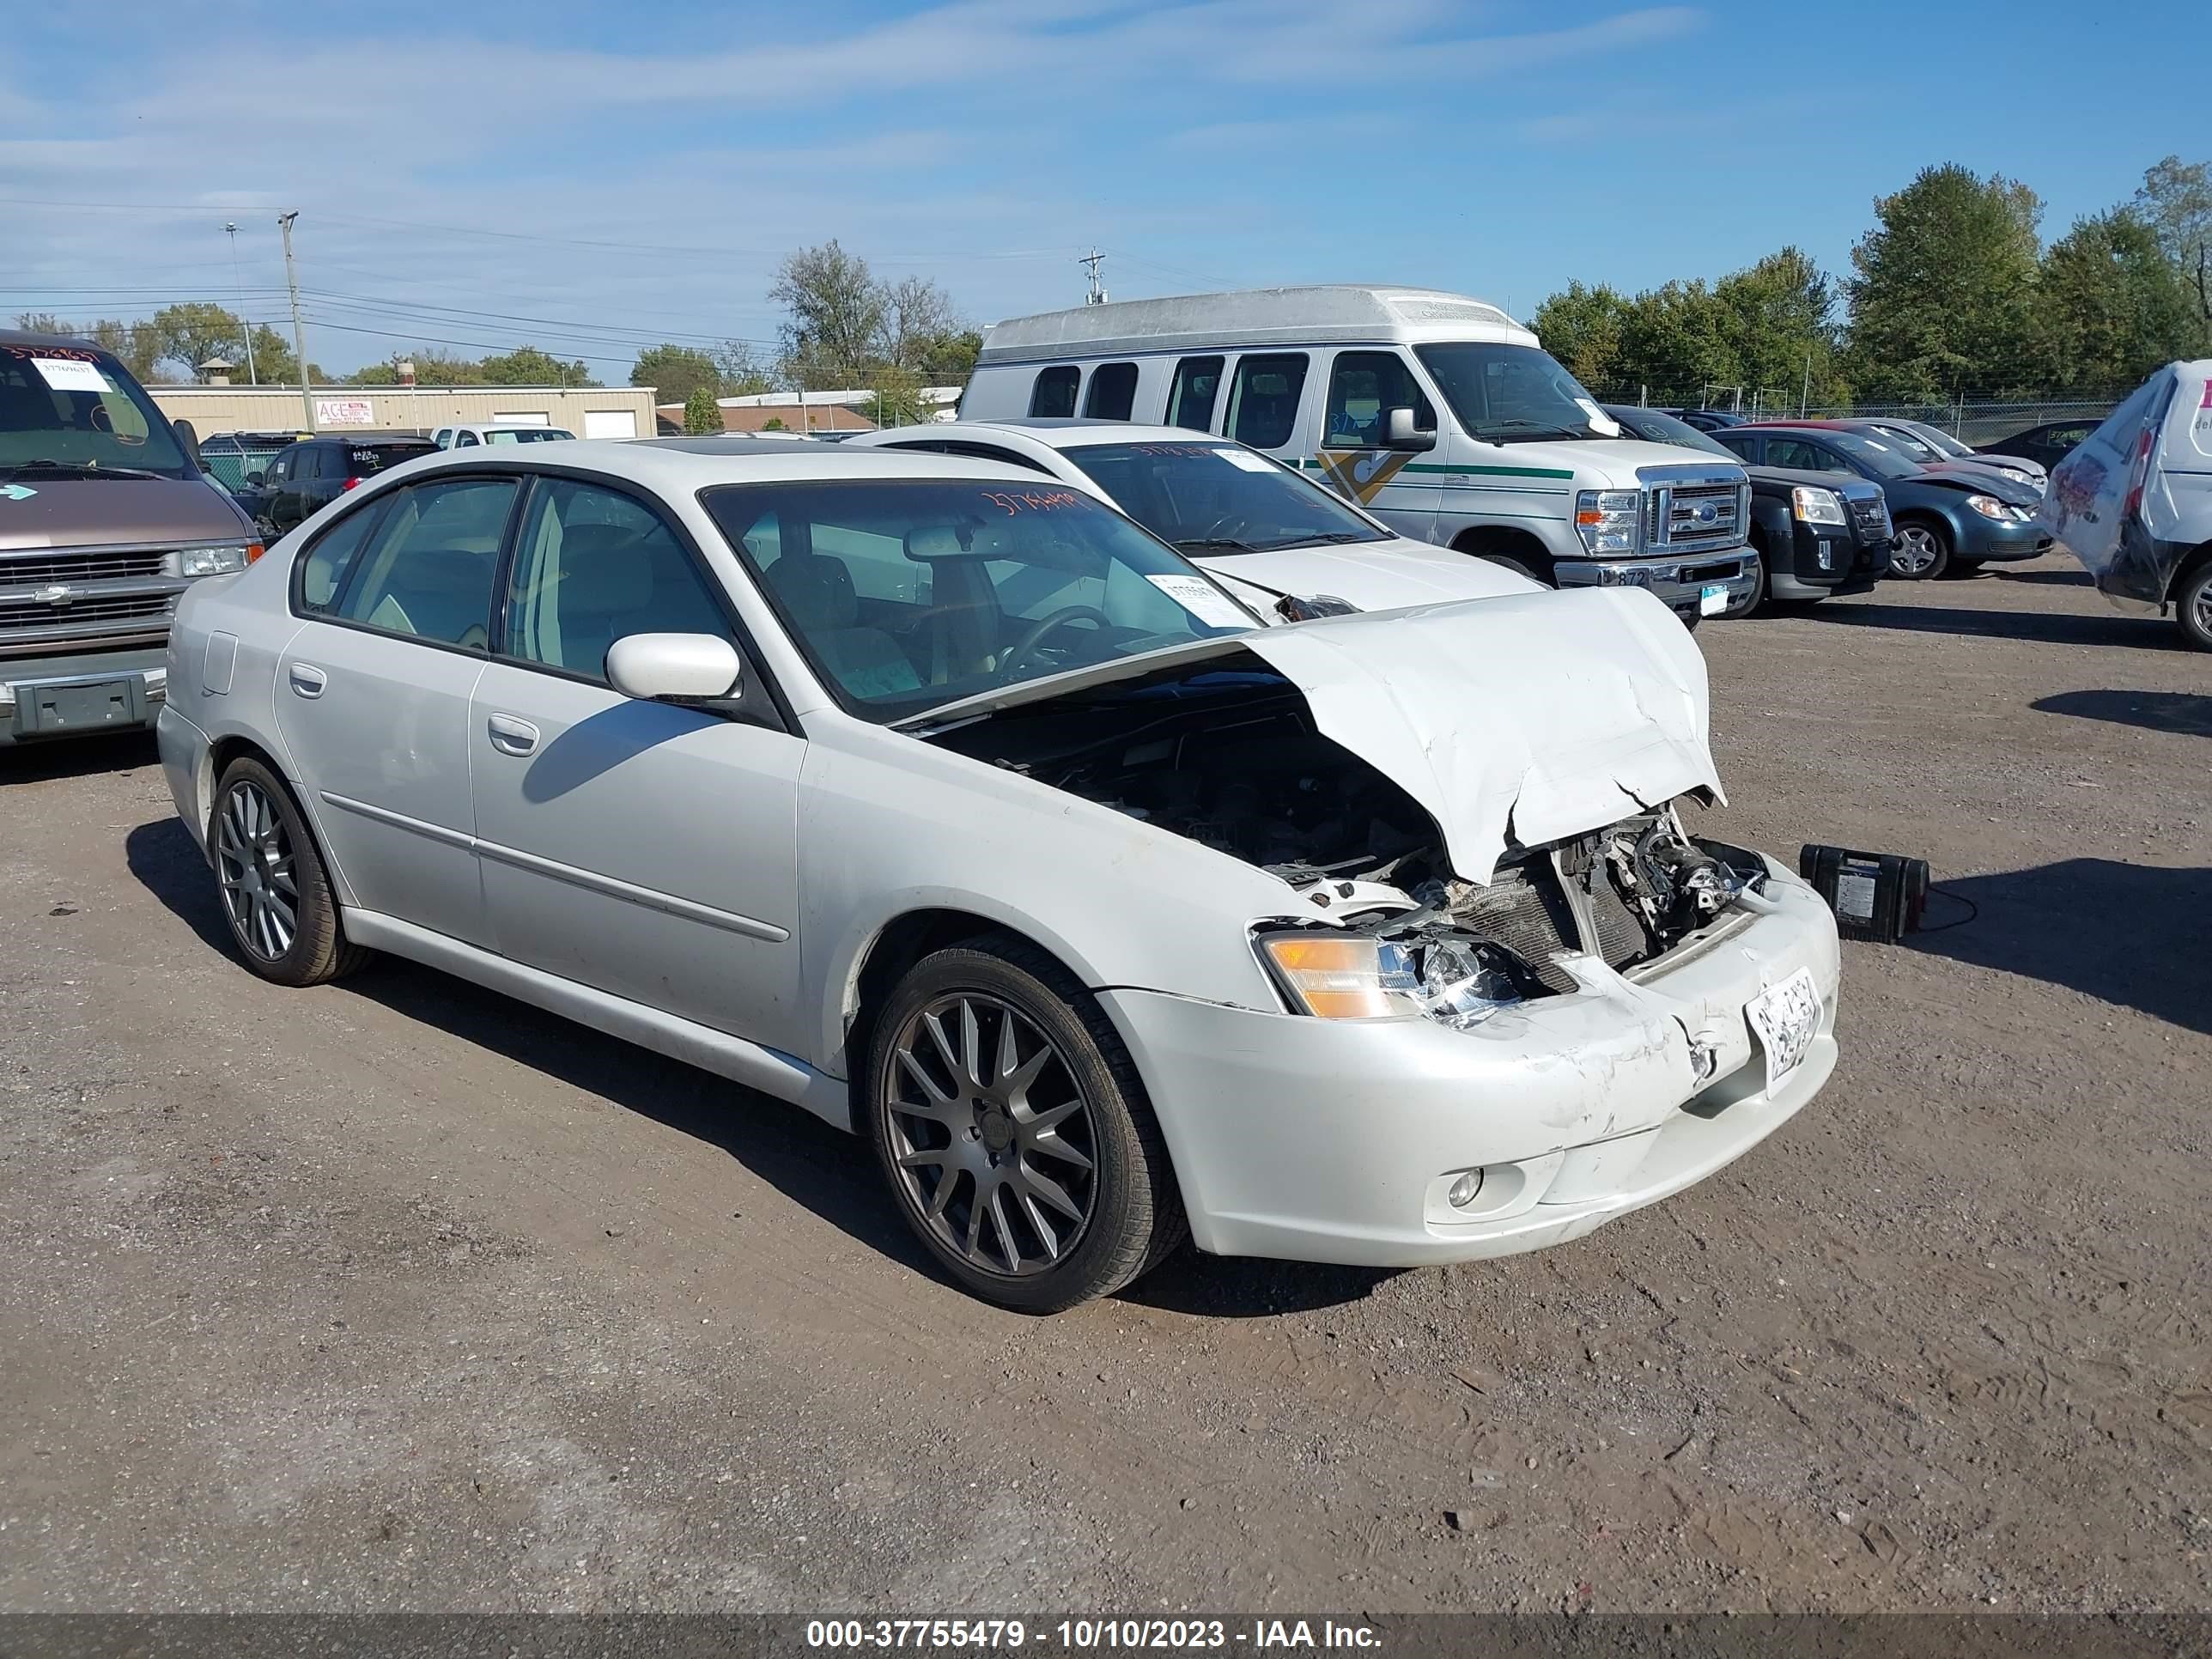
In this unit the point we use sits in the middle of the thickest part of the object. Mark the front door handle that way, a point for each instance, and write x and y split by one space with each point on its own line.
307 680
511 736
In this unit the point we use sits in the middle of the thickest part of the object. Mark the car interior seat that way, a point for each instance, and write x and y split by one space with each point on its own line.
817 591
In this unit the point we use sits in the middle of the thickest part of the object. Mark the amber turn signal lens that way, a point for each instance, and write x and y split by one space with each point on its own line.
1335 978
254 551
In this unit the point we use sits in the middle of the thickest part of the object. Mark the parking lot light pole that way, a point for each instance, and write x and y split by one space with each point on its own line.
299 334
244 325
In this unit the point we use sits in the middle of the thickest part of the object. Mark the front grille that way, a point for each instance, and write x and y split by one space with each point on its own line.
111 607
1695 516
18 568
1523 909
1870 518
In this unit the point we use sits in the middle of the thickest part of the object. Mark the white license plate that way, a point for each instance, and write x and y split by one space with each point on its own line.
1786 1018
1713 599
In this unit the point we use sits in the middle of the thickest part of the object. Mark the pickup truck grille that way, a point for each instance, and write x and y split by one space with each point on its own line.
19 613
18 568
1693 516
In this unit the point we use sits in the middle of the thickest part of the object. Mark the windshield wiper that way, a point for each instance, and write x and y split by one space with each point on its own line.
1492 430
1229 542
77 470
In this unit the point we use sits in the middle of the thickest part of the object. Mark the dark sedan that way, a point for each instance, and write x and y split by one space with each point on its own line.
1947 518
1816 534
2046 444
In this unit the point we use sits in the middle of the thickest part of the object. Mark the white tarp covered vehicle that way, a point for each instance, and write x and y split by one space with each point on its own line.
2134 500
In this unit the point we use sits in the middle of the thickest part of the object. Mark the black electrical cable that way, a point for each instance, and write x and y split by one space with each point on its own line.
1972 911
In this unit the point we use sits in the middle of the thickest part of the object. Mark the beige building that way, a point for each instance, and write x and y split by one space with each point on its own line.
589 412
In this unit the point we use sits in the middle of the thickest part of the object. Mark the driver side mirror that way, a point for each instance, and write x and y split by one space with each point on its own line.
1399 431
190 439
257 480
674 667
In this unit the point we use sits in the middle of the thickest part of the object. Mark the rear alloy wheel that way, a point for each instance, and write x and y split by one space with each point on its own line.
1922 552
274 893
1013 1133
2193 607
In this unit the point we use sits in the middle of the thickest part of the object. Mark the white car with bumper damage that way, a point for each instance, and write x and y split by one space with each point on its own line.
970 817
1284 544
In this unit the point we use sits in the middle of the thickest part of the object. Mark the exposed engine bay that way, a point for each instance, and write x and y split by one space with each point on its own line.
1232 760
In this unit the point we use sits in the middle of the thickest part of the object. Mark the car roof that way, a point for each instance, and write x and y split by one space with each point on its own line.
678 466
19 336
1053 433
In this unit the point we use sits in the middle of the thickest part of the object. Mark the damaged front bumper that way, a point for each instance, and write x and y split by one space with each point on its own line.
1340 1141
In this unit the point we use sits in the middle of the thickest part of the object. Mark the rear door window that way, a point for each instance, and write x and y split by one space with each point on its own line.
1192 394
427 573
1053 394
1113 391
1263 400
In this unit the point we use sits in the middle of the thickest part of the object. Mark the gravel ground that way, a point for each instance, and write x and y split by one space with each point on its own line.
394 1295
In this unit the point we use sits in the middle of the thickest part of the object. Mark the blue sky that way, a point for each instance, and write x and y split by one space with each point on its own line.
631 174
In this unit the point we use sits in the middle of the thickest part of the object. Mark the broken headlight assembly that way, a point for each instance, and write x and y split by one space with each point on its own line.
1450 977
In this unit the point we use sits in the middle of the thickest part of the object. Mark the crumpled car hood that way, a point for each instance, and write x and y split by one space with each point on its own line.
1373 576
1537 717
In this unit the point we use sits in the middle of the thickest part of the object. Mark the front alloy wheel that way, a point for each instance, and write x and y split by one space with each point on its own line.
1014 1130
1920 553
2193 607
991 1135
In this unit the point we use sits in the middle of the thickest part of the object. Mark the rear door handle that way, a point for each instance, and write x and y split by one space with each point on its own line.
307 680
511 736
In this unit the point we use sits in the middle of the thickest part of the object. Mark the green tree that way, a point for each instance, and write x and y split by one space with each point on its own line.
136 344
1942 299
2176 203
1581 328
702 414
774 423
741 371
951 358
835 313
898 400
1779 320
42 322
2111 307
191 333
675 371
529 366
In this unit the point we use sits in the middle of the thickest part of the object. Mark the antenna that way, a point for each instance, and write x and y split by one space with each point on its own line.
1092 260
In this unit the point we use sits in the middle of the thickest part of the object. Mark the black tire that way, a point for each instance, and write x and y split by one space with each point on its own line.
1132 1215
252 860
1919 539
1760 598
2193 607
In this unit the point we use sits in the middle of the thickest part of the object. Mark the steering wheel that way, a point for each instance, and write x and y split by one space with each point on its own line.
1225 528
1034 634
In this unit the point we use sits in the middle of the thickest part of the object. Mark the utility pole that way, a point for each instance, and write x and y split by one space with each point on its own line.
1096 295
244 324
299 334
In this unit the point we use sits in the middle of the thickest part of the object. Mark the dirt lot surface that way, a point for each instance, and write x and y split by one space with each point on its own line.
396 1295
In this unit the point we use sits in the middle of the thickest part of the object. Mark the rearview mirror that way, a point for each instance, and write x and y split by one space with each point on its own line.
673 667
1399 432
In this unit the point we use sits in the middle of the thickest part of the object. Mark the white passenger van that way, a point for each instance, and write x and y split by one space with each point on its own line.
1439 413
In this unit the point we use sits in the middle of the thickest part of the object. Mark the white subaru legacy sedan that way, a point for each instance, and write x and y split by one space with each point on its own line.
952 806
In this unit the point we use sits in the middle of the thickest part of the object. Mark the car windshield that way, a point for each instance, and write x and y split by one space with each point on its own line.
1652 427
906 595
523 434
1879 456
1910 442
1942 442
74 410
1212 498
1510 393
